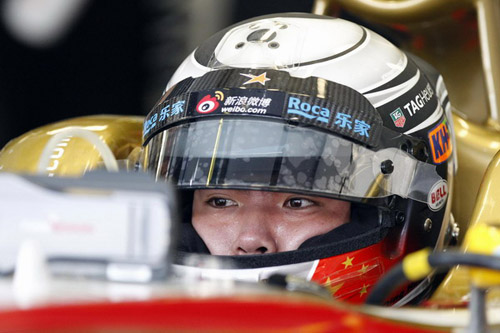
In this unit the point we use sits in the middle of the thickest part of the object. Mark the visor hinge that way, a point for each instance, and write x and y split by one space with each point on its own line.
392 218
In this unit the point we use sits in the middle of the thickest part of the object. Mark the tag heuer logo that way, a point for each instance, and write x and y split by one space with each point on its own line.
398 118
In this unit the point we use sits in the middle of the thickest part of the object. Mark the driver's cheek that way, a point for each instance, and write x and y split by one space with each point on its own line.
247 230
215 229
294 228
271 230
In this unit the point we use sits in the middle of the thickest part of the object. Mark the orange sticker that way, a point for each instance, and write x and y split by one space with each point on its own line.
440 141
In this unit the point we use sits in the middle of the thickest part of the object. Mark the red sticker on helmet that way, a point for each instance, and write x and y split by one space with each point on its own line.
437 195
207 104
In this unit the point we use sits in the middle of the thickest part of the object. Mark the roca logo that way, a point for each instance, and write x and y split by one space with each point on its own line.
306 110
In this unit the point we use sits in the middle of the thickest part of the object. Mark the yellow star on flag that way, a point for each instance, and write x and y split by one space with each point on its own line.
336 288
262 79
363 290
348 262
333 289
363 269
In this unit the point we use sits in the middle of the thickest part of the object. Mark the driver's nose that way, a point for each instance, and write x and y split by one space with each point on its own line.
255 234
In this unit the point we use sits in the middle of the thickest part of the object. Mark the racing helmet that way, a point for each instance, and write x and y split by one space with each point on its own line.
313 105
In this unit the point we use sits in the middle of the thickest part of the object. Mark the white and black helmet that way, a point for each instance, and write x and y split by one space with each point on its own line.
315 105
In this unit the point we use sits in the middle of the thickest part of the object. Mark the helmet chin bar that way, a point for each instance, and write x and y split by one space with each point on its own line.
215 272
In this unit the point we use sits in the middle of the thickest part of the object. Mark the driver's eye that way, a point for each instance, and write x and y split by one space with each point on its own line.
299 203
221 202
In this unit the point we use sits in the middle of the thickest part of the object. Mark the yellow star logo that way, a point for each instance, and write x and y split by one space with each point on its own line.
333 289
262 79
363 269
363 290
348 262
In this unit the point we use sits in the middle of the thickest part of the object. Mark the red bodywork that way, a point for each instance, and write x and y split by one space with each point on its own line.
243 314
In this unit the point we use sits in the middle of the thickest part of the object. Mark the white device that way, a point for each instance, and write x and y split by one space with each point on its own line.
116 226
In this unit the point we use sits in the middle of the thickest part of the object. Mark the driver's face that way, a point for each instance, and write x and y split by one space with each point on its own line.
234 222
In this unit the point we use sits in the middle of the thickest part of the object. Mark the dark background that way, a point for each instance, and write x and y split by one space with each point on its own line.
115 58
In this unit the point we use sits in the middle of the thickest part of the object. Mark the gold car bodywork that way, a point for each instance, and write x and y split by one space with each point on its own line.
461 38
73 156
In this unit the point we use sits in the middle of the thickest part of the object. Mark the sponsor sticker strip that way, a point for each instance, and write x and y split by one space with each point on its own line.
340 109
248 102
